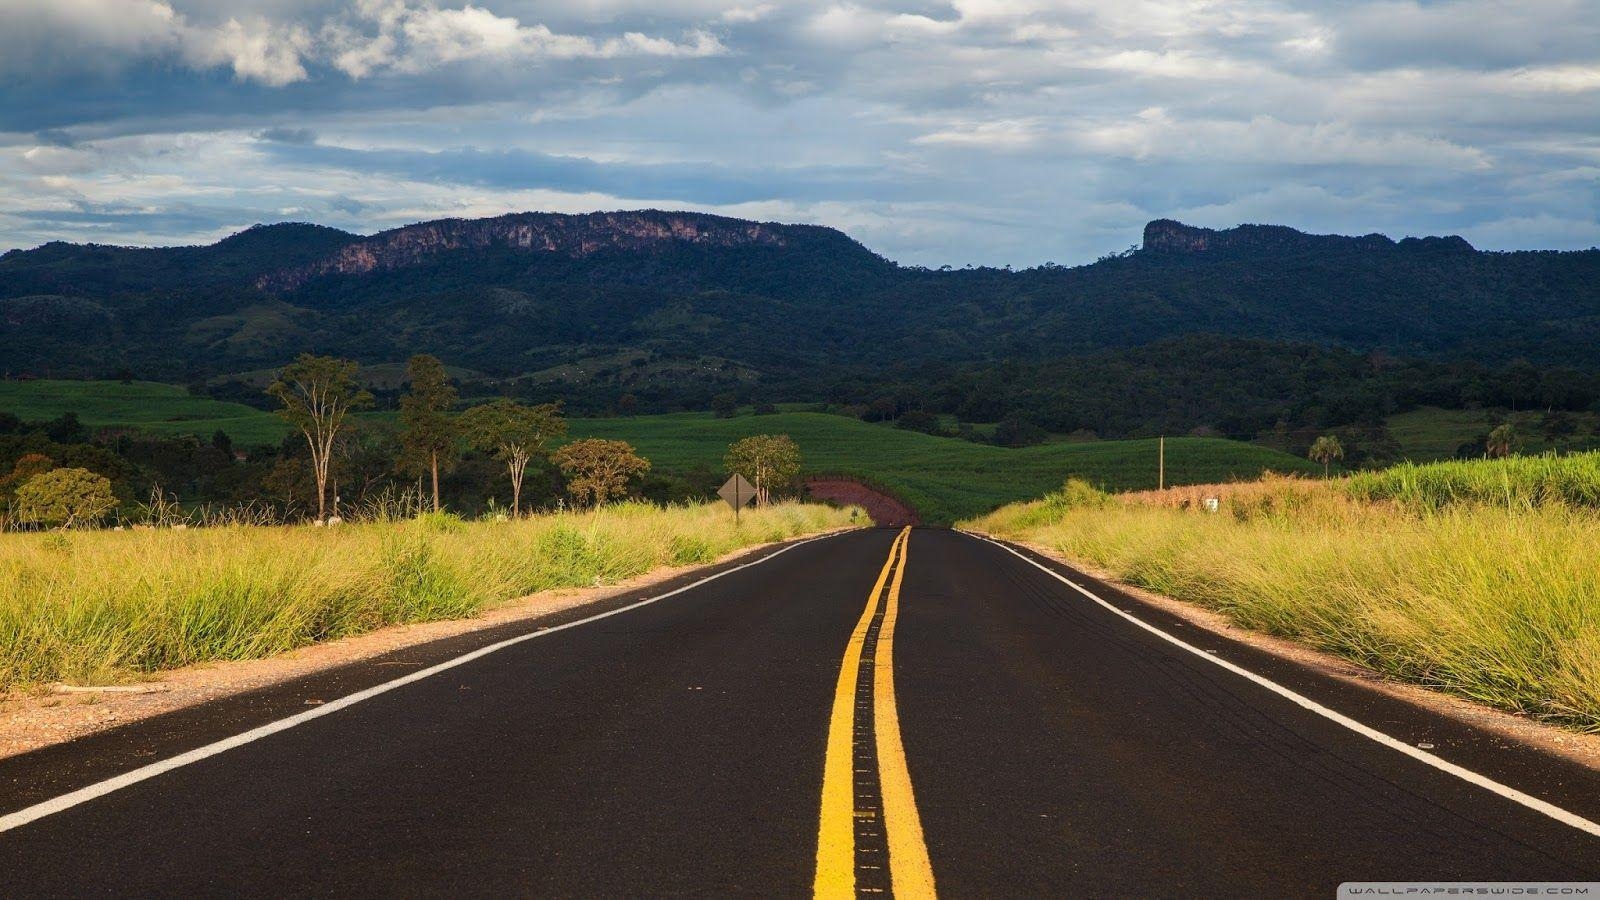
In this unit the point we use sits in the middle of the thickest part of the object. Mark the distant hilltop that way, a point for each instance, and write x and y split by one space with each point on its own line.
1169 236
574 236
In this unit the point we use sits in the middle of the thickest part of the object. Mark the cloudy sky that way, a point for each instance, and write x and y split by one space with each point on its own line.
969 131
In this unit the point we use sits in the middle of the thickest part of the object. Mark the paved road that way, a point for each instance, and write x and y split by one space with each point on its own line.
746 736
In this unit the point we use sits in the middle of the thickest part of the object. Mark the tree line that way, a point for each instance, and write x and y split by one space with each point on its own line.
56 474
317 394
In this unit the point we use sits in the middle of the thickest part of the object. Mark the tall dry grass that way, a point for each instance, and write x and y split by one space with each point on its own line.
95 607
1493 601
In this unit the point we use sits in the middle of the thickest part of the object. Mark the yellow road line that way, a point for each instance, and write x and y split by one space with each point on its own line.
910 871
836 838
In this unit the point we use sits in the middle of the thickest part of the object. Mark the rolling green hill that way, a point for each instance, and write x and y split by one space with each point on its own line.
159 409
944 478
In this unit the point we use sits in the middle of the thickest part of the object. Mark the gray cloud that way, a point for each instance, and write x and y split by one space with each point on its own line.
523 169
994 131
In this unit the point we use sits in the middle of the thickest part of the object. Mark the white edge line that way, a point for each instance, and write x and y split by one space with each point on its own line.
1489 784
143 773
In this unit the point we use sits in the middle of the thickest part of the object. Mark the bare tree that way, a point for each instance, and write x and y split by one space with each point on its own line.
318 393
427 432
514 433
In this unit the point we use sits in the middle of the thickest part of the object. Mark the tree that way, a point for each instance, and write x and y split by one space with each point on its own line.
65 497
67 429
1014 432
428 434
598 469
27 466
514 434
1556 425
724 405
767 460
318 393
1325 450
1503 441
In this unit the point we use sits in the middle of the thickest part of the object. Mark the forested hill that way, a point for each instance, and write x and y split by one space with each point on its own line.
527 292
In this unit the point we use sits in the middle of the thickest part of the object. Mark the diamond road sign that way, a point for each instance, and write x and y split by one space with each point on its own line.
737 492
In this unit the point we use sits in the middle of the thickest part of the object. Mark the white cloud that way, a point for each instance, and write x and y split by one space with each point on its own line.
1154 134
104 34
369 35
1003 135
417 38
743 14
257 51
1575 79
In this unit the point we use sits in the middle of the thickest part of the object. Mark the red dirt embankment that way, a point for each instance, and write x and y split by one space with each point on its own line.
884 509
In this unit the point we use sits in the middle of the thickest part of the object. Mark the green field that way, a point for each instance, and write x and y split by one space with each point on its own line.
1429 434
944 478
160 409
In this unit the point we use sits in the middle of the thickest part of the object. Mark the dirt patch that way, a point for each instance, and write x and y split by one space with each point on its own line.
44 716
884 509
1576 746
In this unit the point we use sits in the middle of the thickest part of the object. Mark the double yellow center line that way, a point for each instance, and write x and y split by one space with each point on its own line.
869 840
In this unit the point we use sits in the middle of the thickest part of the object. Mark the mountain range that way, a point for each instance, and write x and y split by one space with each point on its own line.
684 295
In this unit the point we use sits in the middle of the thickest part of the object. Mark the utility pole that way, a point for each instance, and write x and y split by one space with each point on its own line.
1161 464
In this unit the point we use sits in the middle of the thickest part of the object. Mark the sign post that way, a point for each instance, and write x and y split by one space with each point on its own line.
737 493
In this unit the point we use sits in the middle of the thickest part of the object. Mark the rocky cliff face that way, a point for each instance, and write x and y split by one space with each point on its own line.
1168 236
570 235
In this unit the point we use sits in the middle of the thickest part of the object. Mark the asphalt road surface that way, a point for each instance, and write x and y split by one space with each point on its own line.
883 712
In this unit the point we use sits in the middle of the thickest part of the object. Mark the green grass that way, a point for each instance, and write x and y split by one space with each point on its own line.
1495 602
1429 433
944 478
1518 482
101 606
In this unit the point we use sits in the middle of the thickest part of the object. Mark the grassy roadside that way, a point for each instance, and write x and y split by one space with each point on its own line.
95 607
1495 601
